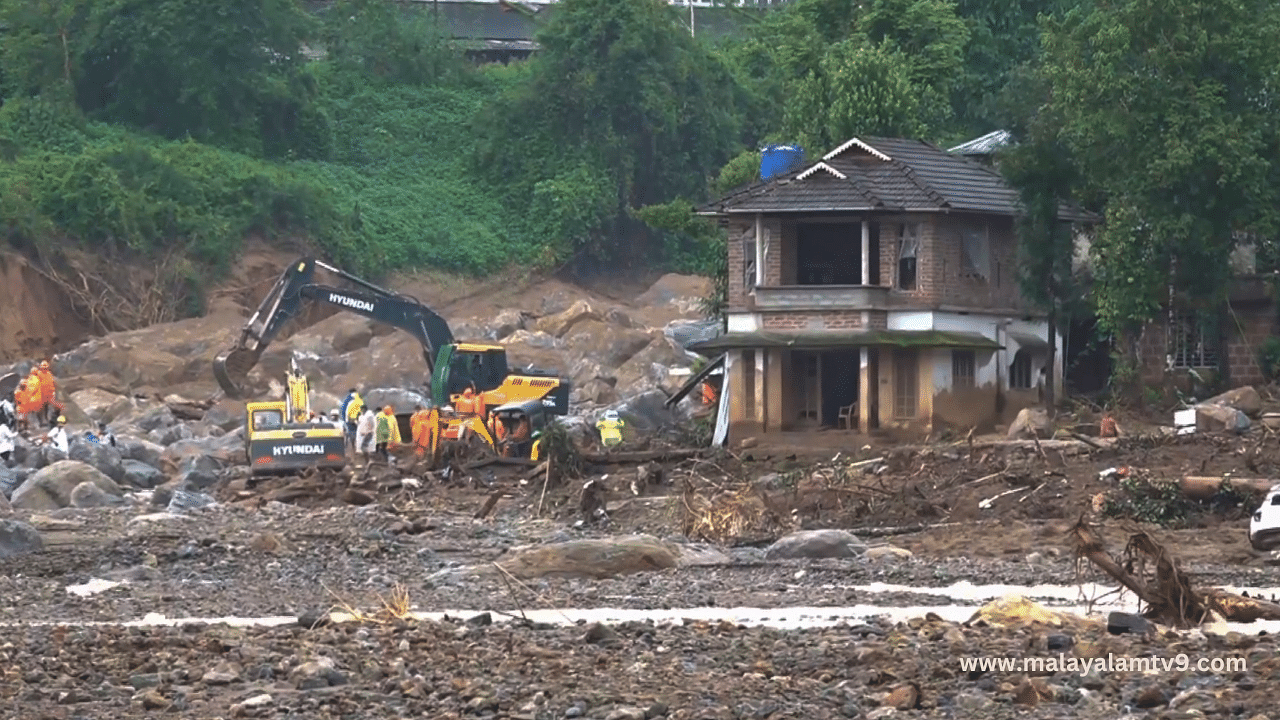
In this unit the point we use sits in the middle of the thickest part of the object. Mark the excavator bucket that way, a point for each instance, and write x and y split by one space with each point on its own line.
231 368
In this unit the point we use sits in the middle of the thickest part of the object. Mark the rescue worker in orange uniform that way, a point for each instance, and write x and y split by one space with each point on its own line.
708 394
466 404
49 405
27 401
419 422
34 402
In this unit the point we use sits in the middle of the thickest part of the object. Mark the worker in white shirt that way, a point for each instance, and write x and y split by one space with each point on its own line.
58 436
8 439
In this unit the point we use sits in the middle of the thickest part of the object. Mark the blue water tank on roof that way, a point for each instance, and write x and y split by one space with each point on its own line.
778 160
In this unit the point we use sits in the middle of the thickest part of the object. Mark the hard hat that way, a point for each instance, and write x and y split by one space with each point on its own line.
388 410
62 420
610 414
44 364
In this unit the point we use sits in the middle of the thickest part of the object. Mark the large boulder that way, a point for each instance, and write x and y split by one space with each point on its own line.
1245 399
651 367
507 322
141 475
100 404
171 434
50 488
143 451
559 324
1218 418
814 544
89 495
400 399
608 345
681 295
596 558
1030 423
105 458
646 411
536 339
155 418
226 414
18 538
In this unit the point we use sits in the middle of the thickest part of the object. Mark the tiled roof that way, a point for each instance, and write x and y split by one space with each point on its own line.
917 177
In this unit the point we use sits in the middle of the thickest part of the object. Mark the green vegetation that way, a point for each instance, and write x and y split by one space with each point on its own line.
135 128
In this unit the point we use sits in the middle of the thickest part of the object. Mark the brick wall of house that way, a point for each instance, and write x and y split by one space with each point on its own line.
773 258
940 278
1248 329
813 320
1255 325
740 231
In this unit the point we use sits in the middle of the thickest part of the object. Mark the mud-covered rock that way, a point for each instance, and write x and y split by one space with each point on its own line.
399 399
50 488
815 544
559 324
141 475
1219 418
89 495
608 345
1031 422
646 411
598 558
18 538
155 418
226 414
144 451
101 405
1245 399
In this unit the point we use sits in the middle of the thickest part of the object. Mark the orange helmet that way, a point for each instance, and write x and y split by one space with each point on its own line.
44 364
388 410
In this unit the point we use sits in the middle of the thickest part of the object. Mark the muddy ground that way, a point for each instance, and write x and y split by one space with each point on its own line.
355 542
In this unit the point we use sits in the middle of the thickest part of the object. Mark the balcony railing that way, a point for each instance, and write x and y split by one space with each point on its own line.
821 297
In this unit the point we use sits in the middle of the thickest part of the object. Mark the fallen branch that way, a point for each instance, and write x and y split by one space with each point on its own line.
640 456
1167 591
497 461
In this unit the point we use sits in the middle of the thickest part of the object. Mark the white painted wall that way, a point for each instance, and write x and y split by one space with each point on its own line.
909 320
743 322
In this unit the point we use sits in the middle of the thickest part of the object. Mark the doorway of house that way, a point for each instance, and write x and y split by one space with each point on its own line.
840 371
1088 361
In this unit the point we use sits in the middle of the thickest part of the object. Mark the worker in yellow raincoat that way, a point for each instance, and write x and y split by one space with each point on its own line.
610 427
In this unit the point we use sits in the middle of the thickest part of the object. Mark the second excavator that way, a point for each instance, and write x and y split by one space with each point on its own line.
453 367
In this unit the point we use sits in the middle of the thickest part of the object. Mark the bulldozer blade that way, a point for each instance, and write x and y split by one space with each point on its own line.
231 368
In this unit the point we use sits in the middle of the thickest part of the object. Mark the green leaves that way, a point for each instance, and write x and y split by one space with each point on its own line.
1166 106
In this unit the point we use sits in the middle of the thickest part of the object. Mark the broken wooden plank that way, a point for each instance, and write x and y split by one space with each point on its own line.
489 504
640 456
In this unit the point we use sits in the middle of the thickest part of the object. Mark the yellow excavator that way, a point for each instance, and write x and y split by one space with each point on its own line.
280 438
452 366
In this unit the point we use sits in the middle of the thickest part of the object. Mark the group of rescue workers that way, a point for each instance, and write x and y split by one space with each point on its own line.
378 433
34 405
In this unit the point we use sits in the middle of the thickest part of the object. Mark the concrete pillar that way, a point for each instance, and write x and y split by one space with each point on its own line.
864 389
761 414
866 253
773 391
737 391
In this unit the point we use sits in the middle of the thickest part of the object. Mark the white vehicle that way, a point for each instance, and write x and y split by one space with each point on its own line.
1264 527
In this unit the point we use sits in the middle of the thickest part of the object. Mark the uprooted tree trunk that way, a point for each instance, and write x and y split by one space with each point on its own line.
1153 575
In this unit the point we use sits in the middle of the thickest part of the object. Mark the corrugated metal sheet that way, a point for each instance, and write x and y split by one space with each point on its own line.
985 145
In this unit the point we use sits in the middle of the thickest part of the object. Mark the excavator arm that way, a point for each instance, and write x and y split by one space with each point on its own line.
296 287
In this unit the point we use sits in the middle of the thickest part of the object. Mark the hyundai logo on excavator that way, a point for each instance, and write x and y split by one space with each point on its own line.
350 302
298 450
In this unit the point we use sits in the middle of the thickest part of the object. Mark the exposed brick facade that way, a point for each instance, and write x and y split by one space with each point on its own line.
1247 329
814 320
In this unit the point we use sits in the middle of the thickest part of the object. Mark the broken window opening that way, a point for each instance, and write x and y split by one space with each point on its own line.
1020 371
749 265
963 369
1191 341
975 254
909 249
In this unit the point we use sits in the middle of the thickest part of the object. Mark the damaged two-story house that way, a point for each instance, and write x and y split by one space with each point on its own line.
878 288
